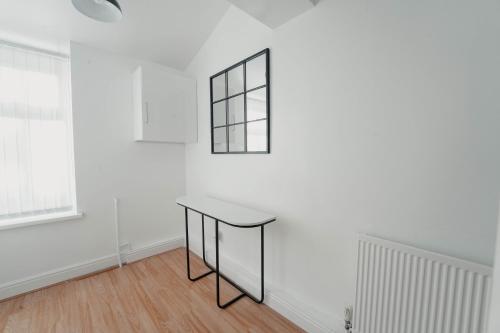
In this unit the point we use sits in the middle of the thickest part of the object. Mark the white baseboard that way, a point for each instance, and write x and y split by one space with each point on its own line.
45 279
296 311
299 314
153 249
304 316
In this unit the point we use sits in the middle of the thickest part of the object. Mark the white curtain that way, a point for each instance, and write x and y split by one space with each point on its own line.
36 146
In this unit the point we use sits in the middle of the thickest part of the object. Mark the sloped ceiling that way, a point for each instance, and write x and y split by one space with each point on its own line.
169 32
274 13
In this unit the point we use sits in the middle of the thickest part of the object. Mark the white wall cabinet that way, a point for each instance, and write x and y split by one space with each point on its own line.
165 105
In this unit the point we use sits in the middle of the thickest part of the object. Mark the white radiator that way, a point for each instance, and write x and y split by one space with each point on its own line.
402 289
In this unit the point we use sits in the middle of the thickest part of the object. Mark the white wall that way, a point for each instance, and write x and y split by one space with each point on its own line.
146 177
384 120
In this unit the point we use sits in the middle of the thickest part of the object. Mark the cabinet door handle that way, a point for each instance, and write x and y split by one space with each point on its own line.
146 113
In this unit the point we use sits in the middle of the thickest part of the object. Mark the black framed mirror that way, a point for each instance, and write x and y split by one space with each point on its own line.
240 107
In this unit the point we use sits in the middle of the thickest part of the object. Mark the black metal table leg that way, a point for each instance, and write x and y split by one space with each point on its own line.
243 291
187 248
203 236
216 269
261 264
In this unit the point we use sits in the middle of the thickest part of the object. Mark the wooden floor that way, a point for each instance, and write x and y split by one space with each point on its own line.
152 295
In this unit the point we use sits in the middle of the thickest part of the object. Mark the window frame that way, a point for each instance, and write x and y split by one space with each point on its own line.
57 214
244 93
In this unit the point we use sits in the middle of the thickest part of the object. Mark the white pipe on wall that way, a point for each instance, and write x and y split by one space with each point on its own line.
117 231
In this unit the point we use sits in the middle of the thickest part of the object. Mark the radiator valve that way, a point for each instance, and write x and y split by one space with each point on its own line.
348 318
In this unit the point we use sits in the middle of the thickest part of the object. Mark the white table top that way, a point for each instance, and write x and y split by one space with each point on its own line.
226 212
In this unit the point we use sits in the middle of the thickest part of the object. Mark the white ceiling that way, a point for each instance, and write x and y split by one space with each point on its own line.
169 32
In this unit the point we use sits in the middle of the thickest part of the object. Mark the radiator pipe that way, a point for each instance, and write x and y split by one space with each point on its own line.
117 231
348 318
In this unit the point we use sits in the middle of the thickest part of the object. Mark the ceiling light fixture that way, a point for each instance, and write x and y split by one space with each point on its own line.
101 10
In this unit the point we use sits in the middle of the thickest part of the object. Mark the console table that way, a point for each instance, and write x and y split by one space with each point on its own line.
234 216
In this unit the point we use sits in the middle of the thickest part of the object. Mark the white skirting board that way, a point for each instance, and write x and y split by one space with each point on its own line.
297 312
45 279
38 281
301 314
153 249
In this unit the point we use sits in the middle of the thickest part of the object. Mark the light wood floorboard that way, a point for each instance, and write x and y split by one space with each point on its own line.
152 295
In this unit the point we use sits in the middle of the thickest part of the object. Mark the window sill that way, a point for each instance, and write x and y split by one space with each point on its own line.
40 219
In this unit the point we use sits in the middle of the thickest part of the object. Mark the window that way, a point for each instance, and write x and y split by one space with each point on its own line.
240 107
36 135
